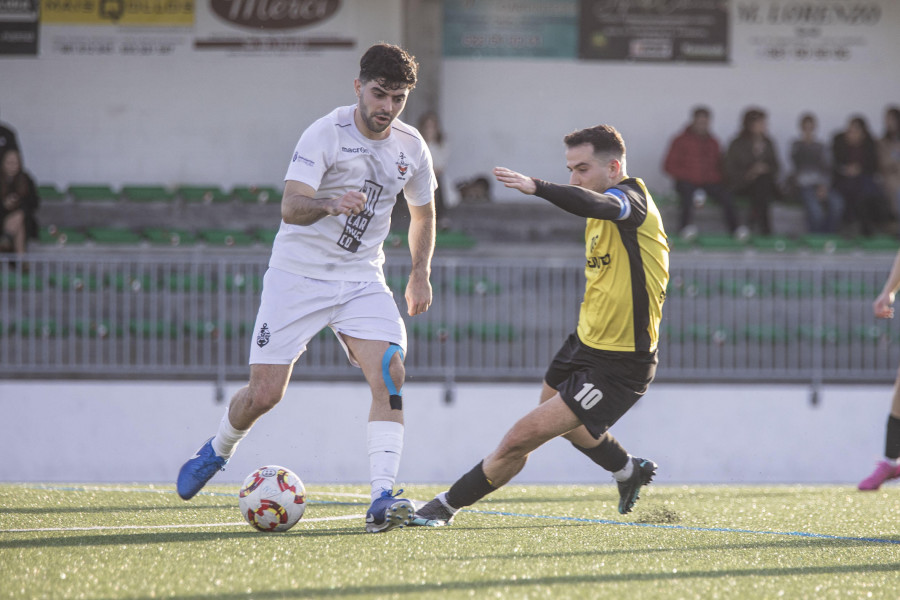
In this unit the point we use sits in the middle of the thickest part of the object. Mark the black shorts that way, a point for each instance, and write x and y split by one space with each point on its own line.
598 385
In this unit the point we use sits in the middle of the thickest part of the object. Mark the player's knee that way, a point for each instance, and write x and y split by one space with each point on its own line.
393 373
263 397
397 371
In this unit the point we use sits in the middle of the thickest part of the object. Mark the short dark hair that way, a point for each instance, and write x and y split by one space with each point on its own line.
701 111
604 138
391 66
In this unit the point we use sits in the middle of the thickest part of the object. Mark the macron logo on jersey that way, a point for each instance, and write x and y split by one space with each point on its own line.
359 150
304 160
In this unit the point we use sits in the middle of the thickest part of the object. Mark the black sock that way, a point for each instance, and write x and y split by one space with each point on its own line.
470 488
892 441
609 454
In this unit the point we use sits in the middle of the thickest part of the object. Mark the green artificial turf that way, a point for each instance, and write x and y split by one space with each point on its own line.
524 541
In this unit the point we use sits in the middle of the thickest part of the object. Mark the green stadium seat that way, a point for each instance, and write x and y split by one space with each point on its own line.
114 236
266 236
828 243
93 329
879 243
169 237
481 287
92 193
718 242
14 280
132 283
255 194
774 243
38 328
153 329
147 193
454 239
434 331
74 281
61 235
202 194
492 332
187 283
48 192
227 237
239 282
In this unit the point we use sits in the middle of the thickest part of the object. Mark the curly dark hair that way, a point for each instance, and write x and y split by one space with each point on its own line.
391 66
604 138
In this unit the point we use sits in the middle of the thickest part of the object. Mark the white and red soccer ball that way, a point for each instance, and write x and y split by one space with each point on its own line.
272 498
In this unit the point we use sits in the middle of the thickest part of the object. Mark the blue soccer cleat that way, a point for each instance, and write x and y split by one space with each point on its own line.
388 512
199 469
629 490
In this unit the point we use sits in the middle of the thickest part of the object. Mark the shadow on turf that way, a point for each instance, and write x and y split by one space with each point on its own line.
419 590
114 509
169 537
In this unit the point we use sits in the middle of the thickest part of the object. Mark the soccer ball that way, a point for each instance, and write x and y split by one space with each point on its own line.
272 498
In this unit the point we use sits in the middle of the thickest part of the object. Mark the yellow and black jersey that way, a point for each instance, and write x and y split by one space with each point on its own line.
627 268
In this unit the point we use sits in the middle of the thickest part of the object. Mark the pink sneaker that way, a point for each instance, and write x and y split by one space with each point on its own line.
882 473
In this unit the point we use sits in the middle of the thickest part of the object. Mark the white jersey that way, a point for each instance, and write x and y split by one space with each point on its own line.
333 158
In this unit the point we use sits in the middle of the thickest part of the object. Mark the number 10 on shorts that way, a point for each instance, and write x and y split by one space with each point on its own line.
589 396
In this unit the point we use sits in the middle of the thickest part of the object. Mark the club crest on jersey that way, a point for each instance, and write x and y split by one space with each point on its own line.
263 337
402 166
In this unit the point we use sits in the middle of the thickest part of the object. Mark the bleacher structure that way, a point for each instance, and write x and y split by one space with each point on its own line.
118 289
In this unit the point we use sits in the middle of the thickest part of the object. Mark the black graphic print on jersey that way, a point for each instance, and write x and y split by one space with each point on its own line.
356 225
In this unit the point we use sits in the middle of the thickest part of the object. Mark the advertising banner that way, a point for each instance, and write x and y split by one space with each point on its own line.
510 28
18 27
654 30
121 13
816 31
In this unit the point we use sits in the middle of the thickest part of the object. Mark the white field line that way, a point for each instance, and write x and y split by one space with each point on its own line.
183 526
92 488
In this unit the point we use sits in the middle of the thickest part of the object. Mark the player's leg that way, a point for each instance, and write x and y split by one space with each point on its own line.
372 332
889 468
292 310
549 420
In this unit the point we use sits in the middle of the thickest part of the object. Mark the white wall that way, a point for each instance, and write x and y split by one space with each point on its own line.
138 431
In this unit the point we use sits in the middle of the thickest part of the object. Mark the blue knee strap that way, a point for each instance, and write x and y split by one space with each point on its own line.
395 394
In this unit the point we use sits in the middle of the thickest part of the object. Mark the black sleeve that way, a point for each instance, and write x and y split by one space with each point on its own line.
580 201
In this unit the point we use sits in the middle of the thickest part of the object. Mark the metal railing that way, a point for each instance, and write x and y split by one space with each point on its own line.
166 315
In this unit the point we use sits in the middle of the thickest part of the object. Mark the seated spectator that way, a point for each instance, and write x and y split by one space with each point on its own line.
811 180
889 157
18 204
854 168
8 140
694 161
751 168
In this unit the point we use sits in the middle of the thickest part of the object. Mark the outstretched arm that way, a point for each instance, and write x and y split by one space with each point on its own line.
571 198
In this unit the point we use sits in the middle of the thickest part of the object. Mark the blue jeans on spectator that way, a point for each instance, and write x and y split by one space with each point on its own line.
823 215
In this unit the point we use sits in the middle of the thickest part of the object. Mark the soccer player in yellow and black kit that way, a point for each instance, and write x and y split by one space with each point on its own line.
607 364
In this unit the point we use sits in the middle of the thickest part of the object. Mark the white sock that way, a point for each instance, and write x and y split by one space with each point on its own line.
385 443
626 471
227 438
443 498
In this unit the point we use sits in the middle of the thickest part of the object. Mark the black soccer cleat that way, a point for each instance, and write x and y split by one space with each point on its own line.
629 490
433 514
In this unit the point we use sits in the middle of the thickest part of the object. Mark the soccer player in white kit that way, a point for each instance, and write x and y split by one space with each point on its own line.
326 271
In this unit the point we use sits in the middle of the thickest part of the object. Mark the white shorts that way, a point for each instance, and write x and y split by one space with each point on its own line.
294 308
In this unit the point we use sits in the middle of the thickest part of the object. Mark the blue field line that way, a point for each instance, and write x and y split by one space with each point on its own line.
687 528
805 534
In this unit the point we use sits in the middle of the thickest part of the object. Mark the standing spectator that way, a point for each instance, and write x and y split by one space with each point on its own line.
855 168
18 203
694 161
8 140
889 157
812 182
751 168
430 127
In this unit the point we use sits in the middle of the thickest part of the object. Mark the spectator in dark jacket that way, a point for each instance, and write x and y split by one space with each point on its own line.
751 168
855 167
694 161
18 204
